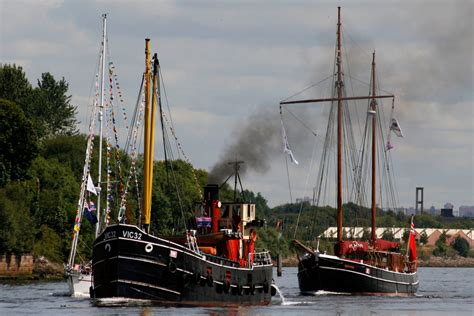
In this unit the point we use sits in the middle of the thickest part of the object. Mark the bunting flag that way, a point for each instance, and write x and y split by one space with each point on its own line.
412 242
90 185
286 145
395 127
389 145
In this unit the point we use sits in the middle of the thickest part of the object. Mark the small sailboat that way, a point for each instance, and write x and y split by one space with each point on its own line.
214 263
376 266
79 274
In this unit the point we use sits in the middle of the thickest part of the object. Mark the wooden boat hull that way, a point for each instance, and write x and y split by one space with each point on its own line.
320 272
130 264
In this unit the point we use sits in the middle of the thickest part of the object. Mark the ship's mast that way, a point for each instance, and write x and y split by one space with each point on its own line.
101 119
146 172
339 87
373 108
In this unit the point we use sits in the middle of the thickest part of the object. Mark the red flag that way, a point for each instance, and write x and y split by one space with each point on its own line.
412 242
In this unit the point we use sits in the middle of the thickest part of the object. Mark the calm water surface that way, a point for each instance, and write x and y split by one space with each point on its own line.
442 291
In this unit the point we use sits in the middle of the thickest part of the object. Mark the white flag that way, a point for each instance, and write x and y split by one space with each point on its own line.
395 127
90 185
286 145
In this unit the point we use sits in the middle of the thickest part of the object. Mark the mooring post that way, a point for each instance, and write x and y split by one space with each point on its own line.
279 266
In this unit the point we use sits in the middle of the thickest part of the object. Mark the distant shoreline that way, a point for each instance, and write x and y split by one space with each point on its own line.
432 262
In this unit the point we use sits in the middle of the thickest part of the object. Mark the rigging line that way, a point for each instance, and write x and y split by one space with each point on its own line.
299 120
288 176
168 106
305 188
355 43
131 144
170 152
350 81
308 87
378 89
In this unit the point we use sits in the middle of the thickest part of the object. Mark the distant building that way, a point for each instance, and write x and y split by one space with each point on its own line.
433 211
466 211
397 232
411 211
305 199
447 212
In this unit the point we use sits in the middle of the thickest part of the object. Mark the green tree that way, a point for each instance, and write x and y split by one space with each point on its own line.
440 246
16 226
423 238
175 194
461 246
388 235
14 86
58 192
18 142
269 239
51 107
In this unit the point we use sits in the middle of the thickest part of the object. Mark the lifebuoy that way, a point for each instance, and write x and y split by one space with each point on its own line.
172 267
273 290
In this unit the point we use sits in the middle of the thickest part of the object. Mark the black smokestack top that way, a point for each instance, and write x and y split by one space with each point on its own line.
254 142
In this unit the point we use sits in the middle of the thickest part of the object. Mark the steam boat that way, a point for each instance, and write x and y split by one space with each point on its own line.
213 264
373 267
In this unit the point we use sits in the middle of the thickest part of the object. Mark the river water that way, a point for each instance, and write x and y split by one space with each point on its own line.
442 291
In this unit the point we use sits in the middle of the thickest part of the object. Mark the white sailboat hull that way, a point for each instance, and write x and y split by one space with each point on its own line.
79 284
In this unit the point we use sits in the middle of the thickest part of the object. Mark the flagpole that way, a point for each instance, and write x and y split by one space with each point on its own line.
101 109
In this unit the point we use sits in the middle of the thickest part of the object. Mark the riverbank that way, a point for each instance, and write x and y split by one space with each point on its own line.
43 269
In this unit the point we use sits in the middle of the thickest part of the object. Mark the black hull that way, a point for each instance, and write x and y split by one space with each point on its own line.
130 264
319 272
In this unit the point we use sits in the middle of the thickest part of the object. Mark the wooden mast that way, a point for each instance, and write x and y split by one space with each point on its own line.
373 108
339 84
146 172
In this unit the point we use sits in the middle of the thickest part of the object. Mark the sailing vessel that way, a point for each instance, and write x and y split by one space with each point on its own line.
213 264
374 267
79 276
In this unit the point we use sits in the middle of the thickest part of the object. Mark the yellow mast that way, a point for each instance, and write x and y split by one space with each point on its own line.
147 154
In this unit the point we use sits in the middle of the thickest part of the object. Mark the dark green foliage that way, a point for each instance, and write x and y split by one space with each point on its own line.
50 105
49 244
69 150
423 238
16 225
461 246
440 246
57 194
270 239
46 106
18 142
175 195
388 235
261 206
427 221
14 85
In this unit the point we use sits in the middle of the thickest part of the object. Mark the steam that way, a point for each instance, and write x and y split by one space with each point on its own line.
255 142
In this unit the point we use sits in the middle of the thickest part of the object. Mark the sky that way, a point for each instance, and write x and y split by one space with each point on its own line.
227 65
